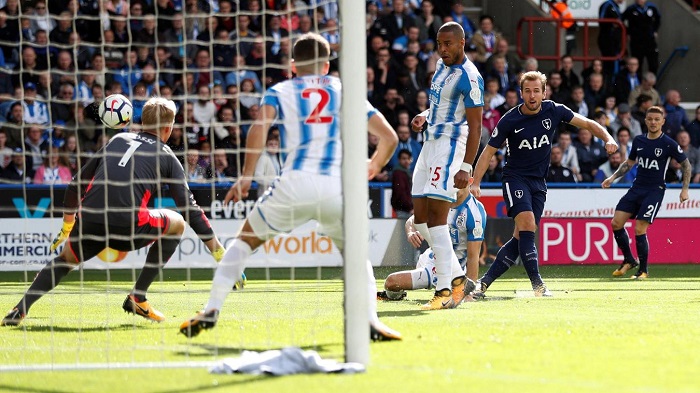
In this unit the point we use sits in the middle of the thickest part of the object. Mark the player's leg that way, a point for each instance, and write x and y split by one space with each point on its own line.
526 221
640 229
76 250
647 213
420 202
163 232
422 277
625 209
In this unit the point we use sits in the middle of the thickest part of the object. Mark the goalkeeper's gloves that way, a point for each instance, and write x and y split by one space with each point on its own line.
218 254
62 235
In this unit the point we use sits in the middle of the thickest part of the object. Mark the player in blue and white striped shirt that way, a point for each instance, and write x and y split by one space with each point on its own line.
467 222
445 162
306 110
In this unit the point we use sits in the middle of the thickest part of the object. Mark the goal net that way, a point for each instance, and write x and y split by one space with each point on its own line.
214 59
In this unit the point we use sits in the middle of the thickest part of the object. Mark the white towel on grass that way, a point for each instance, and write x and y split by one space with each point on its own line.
291 360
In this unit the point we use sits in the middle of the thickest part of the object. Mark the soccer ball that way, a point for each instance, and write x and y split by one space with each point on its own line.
115 111
111 255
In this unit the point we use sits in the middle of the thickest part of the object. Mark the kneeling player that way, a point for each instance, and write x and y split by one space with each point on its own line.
467 223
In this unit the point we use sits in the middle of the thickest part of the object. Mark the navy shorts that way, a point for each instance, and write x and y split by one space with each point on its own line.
642 203
524 194
87 239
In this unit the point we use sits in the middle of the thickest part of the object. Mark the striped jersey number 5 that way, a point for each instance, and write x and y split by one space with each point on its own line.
315 116
133 145
436 174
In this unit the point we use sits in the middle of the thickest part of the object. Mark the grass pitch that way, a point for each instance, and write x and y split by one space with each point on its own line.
598 334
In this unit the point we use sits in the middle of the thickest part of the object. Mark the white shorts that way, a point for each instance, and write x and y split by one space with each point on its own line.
438 162
296 198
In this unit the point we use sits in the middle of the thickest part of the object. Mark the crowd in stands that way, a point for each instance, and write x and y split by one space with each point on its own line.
215 58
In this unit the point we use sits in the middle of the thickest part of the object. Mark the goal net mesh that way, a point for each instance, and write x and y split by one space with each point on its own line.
214 59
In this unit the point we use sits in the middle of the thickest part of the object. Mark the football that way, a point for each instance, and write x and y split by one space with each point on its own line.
115 111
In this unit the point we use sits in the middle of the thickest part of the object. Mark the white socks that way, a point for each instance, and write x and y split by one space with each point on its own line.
442 248
228 272
425 232
373 318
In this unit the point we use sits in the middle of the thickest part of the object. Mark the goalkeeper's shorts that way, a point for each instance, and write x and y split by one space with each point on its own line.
87 239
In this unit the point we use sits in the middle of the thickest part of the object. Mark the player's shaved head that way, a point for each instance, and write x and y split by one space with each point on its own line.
454 28
534 76
310 51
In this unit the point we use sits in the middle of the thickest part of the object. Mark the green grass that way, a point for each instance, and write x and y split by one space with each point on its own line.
597 334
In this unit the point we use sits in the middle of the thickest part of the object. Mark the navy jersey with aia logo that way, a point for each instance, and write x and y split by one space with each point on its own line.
653 157
529 138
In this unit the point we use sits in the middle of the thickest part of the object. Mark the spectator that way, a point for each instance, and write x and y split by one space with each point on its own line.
577 102
627 80
639 110
269 165
569 157
176 36
224 121
428 23
458 15
256 59
234 144
147 35
221 171
13 124
494 174
511 101
405 143
531 64
54 169
512 61
591 155
609 108
385 71
676 117
274 35
569 79
683 139
195 172
72 155
33 110
625 119
16 170
177 142
35 147
165 9
204 73
505 77
559 94
401 199
61 33
486 39
27 69
595 91
400 44
393 102
5 151
9 32
225 16
608 168
372 141
624 140
643 22
694 129
129 74
610 34
646 87
136 16
596 67
557 172
40 18
394 23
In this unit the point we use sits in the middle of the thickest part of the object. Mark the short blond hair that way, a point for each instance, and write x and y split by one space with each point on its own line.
534 76
158 112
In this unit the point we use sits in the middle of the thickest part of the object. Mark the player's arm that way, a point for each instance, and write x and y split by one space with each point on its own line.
687 170
414 237
620 172
388 140
71 199
255 145
482 165
419 120
474 120
462 195
473 254
597 130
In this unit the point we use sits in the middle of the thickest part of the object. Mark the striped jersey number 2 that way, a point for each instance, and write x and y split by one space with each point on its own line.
315 116
133 145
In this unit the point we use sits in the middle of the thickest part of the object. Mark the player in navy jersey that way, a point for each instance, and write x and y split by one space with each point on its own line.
111 192
527 131
306 110
467 223
652 153
445 162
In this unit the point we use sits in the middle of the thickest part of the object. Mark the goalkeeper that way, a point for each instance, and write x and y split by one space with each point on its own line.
467 224
115 186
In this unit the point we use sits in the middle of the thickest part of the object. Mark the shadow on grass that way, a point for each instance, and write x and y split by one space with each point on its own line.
209 350
204 387
75 329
